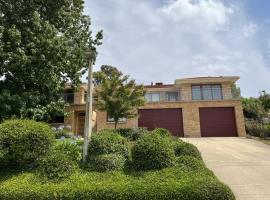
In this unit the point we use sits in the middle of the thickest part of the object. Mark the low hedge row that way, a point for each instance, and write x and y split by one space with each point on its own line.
167 184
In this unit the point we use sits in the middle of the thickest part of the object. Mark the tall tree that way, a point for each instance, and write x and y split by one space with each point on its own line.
117 93
43 45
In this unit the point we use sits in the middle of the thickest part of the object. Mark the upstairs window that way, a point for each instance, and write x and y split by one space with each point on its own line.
172 96
206 92
68 96
152 97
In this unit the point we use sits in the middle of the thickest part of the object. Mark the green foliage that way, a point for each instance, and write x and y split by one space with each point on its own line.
107 162
107 143
24 141
48 113
132 134
190 163
162 132
9 105
153 152
57 165
58 133
253 108
117 94
265 99
186 149
257 129
43 44
166 184
70 148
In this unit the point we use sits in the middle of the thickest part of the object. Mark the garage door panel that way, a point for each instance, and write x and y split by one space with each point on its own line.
170 119
218 122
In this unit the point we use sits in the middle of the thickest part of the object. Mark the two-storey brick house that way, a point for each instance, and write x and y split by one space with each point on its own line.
191 107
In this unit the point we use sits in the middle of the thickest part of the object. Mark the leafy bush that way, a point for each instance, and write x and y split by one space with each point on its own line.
153 152
190 163
186 149
162 132
125 132
22 142
257 129
132 134
107 143
70 148
167 184
59 133
56 165
107 162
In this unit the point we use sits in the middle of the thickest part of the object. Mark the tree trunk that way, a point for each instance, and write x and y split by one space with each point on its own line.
115 124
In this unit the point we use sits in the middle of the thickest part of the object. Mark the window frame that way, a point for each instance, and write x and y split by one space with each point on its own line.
176 92
201 91
151 93
111 120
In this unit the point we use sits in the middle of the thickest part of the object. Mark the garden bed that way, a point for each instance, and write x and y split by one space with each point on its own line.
121 165
167 184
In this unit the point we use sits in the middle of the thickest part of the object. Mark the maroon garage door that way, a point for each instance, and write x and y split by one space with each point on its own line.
218 122
169 118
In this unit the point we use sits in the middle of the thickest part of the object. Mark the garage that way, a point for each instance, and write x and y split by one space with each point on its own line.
169 118
218 122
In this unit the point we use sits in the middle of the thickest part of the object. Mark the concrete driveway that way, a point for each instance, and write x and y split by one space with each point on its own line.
243 164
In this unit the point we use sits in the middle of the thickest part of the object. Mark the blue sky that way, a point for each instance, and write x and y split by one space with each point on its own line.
162 40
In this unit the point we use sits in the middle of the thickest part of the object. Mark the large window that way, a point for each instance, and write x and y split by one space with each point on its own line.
206 92
120 120
152 97
172 96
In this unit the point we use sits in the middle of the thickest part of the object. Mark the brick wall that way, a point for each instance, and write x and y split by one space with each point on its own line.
103 124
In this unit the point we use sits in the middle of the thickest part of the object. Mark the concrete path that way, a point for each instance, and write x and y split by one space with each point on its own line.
243 164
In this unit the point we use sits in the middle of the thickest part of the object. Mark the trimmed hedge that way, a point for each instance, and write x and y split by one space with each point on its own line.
190 163
107 143
22 142
132 134
107 162
70 148
186 149
153 152
167 184
162 132
56 165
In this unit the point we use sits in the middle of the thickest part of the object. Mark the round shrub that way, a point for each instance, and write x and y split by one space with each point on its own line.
22 142
190 163
56 165
107 143
162 132
186 149
132 134
153 152
70 148
125 132
107 162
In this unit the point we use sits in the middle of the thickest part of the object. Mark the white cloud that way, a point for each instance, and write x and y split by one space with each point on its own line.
182 38
250 29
